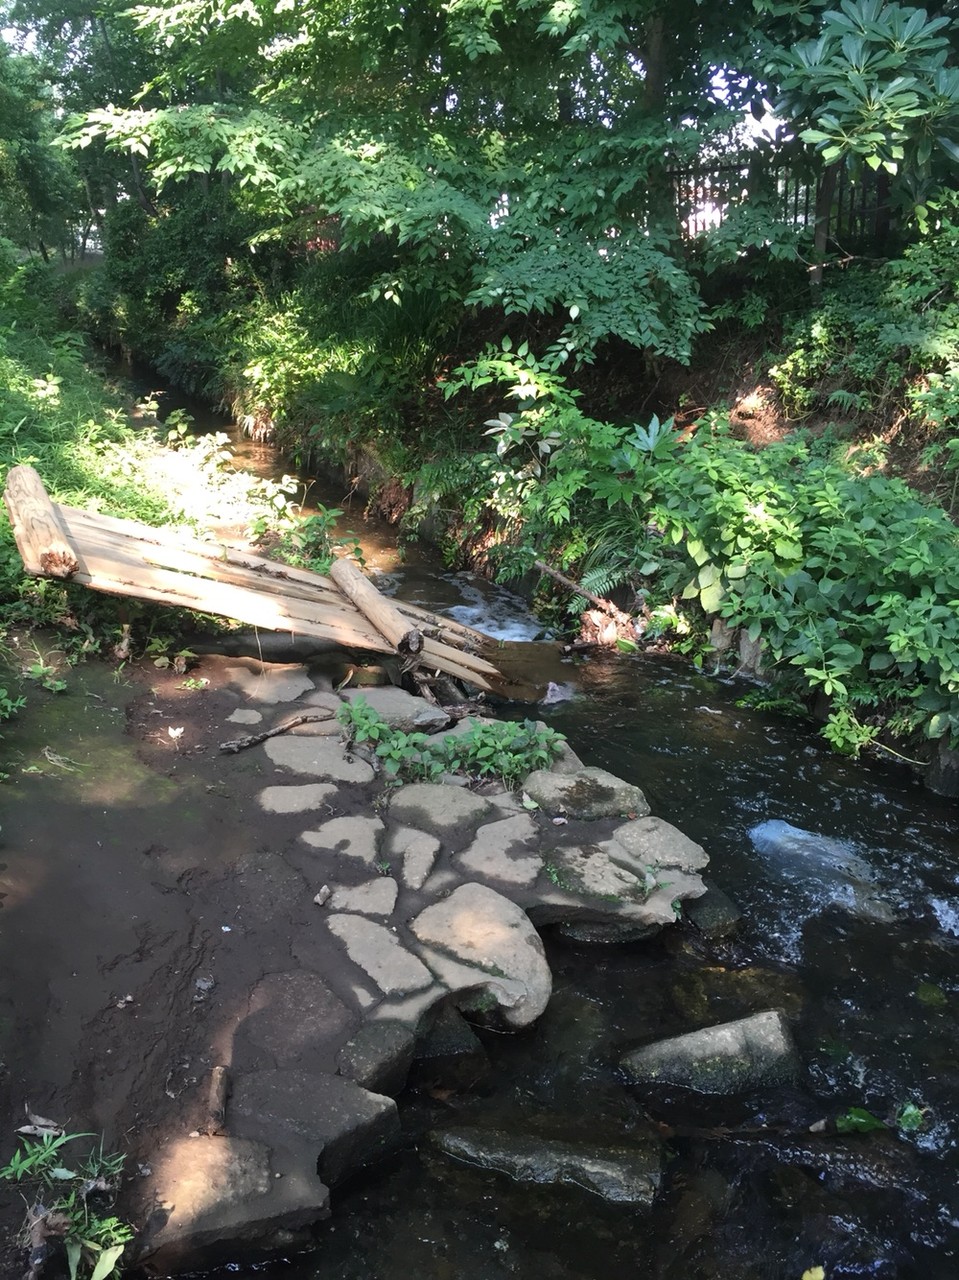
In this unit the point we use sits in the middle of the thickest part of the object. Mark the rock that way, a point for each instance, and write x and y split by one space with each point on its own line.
212 1199
350 837
483 930
380 955
474 990
733 1057
714 914
628 1175
823 870
294 1016
374 898
379 1056
442 811
600 933
649 843
448 1054
501 852
401 710
268 683
318 757
567 761
341 1124
245 715
418 851
294 799
587 794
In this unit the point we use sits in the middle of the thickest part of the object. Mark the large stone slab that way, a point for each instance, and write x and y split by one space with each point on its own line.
295 1017
355 837
296 799
483 930
401 710
268 683
318 758
730 1058
344 1124
586 794
504 851
442 811
584 883
379 953
417 849
212 1199
372 898
628 1175
474 990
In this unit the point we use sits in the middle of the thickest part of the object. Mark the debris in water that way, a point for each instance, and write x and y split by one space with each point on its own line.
323 896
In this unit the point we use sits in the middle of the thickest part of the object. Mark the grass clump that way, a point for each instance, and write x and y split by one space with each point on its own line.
69 1203
505 750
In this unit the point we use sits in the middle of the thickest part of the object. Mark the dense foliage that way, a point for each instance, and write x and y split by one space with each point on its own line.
455 234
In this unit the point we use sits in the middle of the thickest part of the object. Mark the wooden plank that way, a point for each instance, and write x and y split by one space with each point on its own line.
407 640
40 537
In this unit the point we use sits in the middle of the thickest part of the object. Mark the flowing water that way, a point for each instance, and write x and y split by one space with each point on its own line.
848 878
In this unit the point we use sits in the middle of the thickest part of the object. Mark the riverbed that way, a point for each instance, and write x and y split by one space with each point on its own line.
851 927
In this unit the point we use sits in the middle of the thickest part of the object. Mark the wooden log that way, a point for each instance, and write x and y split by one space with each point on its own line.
40 537
407 640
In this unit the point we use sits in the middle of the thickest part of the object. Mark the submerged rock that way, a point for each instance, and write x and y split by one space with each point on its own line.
730 1058
714 914
620 1175
827 871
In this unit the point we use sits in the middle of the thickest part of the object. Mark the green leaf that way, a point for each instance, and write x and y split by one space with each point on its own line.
858 1120
73 1256
711 598
107 1261
910 1117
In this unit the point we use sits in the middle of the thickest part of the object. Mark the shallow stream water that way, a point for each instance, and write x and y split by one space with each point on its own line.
848 878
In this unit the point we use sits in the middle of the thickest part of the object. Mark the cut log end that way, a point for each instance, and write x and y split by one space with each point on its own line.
58 562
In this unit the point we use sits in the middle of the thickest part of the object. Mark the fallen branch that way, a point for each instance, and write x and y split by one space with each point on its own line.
240 744
607 606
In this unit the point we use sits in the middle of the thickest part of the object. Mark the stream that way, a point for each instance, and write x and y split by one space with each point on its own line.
848 878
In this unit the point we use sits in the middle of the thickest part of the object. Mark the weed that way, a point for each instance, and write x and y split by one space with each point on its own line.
72 1201
505 750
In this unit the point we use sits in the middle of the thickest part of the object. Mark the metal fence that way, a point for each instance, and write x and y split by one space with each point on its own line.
859 213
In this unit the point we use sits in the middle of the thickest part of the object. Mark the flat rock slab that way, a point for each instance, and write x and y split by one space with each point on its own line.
619 1175
344 1124
352 837
296 799
475 990
587 794
245 715
729 1058
269 684
442 811
318 758
379 953
483 930
216 1197
296 1019
401 710
503 851
418 851
373 898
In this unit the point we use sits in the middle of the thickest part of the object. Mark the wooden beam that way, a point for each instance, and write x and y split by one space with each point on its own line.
39 535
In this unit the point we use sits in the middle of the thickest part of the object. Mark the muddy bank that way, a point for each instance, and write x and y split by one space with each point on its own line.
171 911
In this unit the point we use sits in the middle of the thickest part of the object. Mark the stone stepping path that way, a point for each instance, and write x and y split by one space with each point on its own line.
429 898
